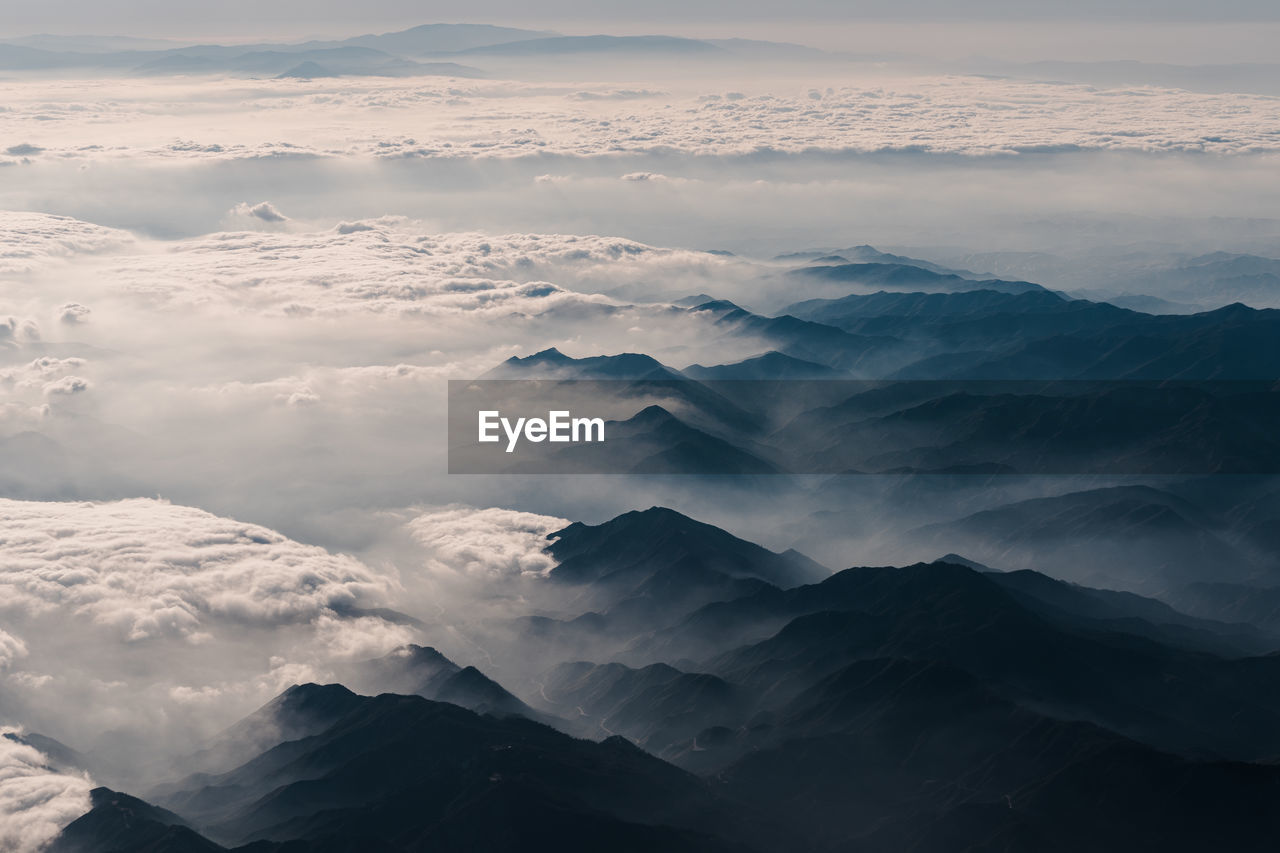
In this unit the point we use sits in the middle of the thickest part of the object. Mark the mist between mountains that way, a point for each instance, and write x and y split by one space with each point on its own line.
766 427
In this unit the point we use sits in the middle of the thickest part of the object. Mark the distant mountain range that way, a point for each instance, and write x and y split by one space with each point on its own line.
906 277
976 376
789 412
394 54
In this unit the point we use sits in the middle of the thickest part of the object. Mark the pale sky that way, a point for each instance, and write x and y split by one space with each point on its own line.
303 17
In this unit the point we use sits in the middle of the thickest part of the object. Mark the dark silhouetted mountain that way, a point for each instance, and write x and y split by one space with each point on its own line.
958 560
973 320
293 714
119 823
470 688
1062 663
806 340
1065 428
637 545
1234 342
553 364
904 707
923 308
693 301
404 773
655 441
423 671
931 707
889 708
657 706
404 670
645 570
890 754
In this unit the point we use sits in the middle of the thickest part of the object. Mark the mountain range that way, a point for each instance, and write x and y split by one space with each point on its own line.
764 703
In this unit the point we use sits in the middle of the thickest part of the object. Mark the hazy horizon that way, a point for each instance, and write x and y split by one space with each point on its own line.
1078 34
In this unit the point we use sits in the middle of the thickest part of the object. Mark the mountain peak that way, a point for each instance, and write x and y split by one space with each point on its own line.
311 692
651 415
723 305
643 542
418 654
548 354
624 365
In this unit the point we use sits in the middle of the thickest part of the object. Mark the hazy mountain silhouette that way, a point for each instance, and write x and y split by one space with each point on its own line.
553 364
806 340
600 44
769 365
1131 537
637 545
908 277
423 671
443 38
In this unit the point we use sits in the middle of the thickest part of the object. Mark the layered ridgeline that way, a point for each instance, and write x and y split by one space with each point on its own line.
1088 667
756 701
964 380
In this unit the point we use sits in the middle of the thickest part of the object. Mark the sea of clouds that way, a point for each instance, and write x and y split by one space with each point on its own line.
229 309
182 119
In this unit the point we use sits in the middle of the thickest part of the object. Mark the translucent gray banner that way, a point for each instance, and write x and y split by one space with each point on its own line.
762 427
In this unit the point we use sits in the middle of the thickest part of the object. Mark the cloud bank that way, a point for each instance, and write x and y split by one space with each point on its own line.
857 110
169 621
36 800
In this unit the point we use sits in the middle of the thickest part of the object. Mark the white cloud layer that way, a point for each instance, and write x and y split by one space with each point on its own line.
140 608
30 241
386 265
148 570
104 120
273 374
488 544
